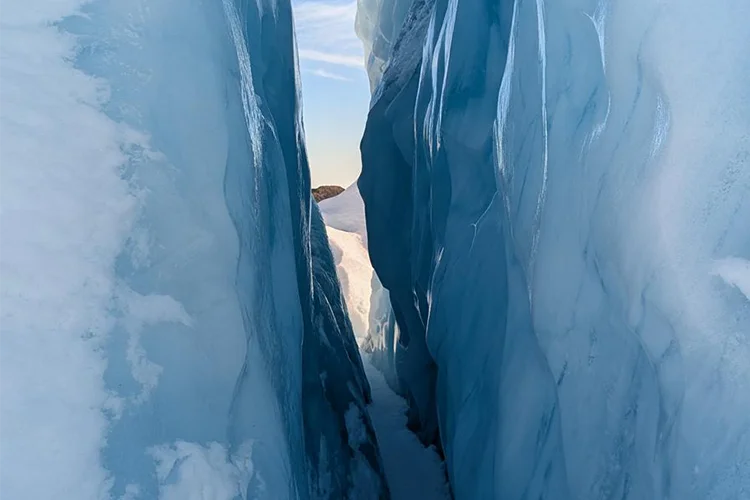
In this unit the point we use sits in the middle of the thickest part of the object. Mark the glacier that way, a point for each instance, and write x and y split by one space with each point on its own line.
172 324
557 197
546 254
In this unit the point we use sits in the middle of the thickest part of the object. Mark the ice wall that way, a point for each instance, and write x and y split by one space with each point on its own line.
557 197
378 24
172 326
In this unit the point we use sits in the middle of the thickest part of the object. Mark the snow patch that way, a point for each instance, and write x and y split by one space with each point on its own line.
141 310
735 272
66 214
346 212
412 470
190 471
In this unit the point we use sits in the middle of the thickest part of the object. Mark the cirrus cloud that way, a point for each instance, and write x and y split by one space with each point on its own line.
331 76
325 33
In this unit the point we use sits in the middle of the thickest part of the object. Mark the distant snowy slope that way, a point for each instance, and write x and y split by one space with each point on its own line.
412 470
345 220
346 212
355 275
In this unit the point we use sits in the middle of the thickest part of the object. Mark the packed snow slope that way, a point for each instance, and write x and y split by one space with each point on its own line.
346 212
557 197
172 324
344 217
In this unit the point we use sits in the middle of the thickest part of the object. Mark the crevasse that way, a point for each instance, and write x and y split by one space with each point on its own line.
557 197
567 281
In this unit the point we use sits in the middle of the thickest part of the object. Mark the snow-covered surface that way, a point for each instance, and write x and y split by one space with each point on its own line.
347 234
367 300
63 225
355 275
346 212
414 472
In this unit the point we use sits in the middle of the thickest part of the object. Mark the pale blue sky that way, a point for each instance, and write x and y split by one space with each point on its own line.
335 90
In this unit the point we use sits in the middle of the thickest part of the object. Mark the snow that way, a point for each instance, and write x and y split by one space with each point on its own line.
344 216
63 225
187 471
355 276
413 471
346 212
735 271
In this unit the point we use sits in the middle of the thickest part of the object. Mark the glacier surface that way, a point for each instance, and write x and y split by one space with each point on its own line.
172 325
557 198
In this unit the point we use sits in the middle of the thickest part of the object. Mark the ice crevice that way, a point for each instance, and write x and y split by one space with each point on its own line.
412 470
538 288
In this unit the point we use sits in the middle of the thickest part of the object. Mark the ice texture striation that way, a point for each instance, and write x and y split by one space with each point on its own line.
172 324
557 197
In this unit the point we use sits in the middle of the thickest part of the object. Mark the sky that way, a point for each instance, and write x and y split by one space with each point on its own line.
335 90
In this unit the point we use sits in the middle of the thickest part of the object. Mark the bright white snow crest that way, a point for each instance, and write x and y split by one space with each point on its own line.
345 220
63 225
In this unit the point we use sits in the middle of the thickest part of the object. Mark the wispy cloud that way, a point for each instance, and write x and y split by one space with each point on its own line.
327 74
331 58
325 33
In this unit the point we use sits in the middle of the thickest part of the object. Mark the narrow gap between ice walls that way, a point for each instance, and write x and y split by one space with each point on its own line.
188 338
412 469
